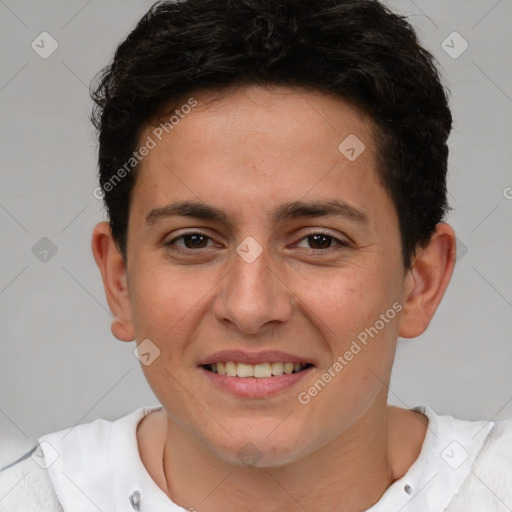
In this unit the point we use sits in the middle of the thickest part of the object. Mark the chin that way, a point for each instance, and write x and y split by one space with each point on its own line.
258 449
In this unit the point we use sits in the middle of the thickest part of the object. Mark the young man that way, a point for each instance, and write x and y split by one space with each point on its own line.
275 179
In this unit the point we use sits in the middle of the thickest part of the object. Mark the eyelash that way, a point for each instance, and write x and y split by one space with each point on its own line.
341 243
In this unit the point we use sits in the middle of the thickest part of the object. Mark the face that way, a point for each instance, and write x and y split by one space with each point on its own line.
290 254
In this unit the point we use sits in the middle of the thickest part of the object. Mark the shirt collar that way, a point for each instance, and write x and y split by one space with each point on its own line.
448 452
98 467
121 482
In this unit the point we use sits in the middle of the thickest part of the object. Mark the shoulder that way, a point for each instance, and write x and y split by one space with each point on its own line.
25 485
53 476
495 458
489 484
501 436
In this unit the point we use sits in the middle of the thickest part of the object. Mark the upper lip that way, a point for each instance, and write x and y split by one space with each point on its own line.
265 356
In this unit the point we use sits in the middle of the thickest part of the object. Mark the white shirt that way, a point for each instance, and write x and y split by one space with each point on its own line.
463 466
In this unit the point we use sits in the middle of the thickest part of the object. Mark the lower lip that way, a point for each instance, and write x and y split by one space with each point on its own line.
252 387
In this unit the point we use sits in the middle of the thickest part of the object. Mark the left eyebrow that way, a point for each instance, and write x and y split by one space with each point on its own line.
298 209
293 210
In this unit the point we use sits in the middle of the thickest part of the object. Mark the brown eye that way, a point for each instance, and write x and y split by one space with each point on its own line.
191 241
195 241
322 241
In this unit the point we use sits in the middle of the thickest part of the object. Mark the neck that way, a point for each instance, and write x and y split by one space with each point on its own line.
350 473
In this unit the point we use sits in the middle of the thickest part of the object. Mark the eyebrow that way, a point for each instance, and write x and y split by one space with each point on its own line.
293 210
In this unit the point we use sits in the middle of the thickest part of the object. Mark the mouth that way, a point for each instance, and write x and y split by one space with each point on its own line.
259 371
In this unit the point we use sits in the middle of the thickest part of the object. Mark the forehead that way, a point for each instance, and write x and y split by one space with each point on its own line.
299 117
256 145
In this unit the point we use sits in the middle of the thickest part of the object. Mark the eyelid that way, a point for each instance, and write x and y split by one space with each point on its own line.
311 232
188 233
321 231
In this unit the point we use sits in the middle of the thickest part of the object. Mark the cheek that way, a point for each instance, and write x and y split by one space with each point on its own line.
341 300
165 300
346 307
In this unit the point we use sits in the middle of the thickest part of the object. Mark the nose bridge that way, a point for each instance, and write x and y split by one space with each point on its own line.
252 295
251 271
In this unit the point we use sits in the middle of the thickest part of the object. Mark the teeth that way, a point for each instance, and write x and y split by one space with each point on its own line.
244 370
260 371
230 369
288 368
277 368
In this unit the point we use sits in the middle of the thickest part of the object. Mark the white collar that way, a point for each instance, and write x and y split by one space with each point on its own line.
99 467
448 452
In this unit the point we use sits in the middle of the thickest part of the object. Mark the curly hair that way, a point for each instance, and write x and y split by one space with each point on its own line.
356 50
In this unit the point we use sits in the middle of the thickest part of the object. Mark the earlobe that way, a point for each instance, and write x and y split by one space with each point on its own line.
113 273
427 280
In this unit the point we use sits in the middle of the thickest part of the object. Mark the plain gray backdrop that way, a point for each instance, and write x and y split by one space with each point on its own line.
60 364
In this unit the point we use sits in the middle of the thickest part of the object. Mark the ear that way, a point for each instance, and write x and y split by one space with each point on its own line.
113 272
427 280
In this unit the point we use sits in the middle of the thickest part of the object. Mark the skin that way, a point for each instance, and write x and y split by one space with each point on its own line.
246 152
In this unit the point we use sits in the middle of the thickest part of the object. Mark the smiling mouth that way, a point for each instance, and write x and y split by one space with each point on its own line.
259 371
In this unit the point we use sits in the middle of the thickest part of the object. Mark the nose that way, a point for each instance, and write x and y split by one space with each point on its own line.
253 296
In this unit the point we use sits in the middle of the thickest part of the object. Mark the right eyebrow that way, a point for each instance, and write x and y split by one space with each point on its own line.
293 210
186 209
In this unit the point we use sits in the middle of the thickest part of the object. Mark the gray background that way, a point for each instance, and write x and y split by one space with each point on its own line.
61 366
